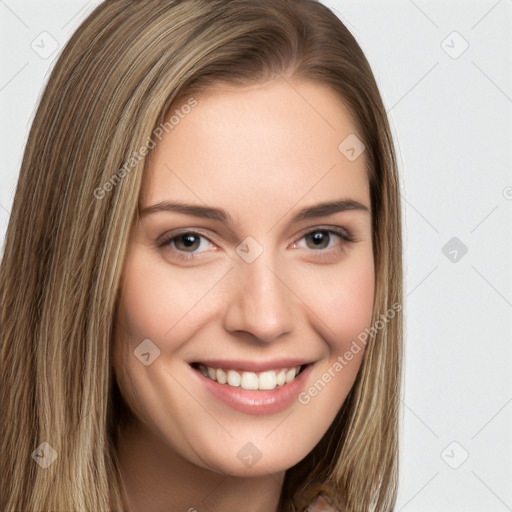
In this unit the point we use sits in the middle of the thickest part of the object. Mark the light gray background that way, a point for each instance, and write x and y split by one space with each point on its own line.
451 112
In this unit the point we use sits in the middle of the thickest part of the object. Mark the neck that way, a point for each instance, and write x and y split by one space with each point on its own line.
156 478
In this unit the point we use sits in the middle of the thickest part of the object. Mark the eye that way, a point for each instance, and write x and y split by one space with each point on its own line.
323 238
186 244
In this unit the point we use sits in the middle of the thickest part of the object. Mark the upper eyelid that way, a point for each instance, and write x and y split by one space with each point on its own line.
332 229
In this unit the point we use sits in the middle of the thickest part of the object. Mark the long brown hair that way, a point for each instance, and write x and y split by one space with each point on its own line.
75 203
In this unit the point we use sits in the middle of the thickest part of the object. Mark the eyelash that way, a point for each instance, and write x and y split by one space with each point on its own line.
187 256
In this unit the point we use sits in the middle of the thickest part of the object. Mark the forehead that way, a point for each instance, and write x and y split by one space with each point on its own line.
277 142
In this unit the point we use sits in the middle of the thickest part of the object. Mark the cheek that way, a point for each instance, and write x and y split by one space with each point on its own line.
343 304
164 307
159 304
146 311
342 300
352 301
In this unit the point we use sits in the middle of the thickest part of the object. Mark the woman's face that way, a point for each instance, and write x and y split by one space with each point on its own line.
252 260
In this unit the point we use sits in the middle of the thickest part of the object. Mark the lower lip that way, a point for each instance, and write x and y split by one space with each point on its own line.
257 402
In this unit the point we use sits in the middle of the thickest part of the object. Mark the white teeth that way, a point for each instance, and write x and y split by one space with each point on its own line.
290 375
249 381
221 376
234 378
267 380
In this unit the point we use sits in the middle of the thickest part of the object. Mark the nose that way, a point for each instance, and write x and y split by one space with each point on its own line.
260 302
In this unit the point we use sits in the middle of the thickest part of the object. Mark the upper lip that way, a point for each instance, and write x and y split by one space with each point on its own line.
253 366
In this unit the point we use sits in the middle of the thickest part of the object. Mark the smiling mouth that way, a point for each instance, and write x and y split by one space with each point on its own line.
251 381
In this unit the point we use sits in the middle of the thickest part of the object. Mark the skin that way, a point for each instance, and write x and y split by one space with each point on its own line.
261 153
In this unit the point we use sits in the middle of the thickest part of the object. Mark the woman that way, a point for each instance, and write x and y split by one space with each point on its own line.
206 235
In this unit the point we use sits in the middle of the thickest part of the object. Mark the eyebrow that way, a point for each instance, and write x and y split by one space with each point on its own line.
208 212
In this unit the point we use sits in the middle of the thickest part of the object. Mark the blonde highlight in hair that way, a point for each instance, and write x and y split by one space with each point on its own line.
64 251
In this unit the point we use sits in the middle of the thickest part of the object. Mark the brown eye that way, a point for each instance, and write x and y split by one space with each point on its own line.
188 242
324 240
185 245
318 239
